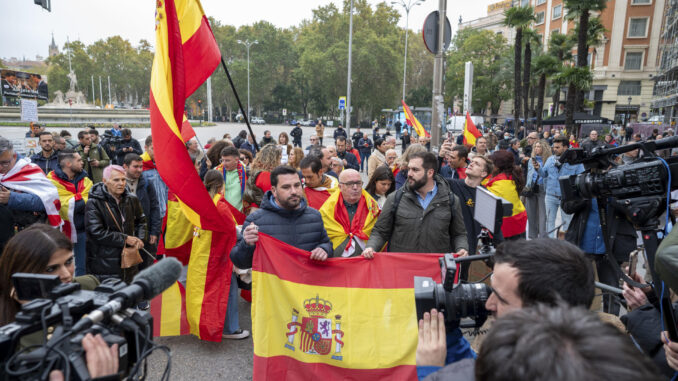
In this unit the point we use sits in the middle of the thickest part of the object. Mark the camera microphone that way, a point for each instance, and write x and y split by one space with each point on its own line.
147 284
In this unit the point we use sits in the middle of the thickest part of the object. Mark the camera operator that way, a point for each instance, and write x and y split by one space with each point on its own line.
39 249
525 273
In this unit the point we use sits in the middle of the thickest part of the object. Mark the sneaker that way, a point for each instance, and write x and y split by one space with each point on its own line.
237 335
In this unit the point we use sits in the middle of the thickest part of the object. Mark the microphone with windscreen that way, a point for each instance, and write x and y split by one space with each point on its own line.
147 284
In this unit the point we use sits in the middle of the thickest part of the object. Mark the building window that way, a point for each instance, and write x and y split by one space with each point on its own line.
628 88
638 27
540 2
540 18
641 2
525 3
557 12
633 61
555 31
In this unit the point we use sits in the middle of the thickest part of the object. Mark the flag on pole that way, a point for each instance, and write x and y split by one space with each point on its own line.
186 53
413 122
345 318
471 133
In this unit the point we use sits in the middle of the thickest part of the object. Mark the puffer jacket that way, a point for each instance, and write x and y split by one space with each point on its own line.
47 164
302 228
104 241
434 230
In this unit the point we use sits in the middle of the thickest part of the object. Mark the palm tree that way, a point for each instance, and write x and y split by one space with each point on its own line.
578 79
517 17
560 46
529 37
594 38
545 66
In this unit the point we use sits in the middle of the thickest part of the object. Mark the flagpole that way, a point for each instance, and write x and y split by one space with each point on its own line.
242 110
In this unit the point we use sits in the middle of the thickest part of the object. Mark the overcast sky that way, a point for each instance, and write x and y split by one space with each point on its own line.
27 28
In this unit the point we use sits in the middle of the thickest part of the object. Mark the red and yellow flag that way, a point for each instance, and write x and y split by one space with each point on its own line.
169 312
503 186
68 195
413 122
339 227
345 318
186 54
471 133
177 232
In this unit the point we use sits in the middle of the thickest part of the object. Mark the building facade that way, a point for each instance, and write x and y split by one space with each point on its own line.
665 97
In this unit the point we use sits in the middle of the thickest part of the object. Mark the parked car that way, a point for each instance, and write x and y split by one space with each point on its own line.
257 120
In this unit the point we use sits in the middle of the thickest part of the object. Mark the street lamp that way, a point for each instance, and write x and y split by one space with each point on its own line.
407 6
628 111
247 44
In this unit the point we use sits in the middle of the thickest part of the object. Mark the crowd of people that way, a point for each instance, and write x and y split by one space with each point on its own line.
109 201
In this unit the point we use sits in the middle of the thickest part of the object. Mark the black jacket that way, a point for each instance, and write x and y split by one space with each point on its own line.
79 207
406 139
351 160
104 241
296 133
302 228
356 138
265 141
339 132
361 146
120 155
149 203
46 164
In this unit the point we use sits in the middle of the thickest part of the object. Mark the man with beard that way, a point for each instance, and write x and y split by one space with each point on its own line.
46 159
73 185
318 185
93 155
284 215
424 216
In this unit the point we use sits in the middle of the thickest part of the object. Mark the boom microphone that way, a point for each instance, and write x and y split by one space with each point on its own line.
146 285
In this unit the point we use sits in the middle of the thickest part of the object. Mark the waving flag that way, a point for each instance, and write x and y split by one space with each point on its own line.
29 178
186 53
68 195
413 122
503 186
471 133
342 319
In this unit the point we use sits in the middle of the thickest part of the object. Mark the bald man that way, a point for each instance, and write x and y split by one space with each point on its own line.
349 215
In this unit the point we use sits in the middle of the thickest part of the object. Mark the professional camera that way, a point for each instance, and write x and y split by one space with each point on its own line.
64 314
465 300
110 139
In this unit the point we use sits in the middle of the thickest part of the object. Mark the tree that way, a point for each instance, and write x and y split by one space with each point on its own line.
545 66
530 37
578 79
560 46
519 18
594 38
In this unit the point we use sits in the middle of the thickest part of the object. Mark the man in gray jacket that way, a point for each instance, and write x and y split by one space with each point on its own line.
423 217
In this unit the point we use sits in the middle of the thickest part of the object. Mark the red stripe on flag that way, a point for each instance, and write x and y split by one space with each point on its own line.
176 57
156 312
514 224
386 270
184 328
187 131
201 56
289 369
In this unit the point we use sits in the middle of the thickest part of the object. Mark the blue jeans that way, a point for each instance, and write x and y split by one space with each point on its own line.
363 159
552 206
80 253
232 322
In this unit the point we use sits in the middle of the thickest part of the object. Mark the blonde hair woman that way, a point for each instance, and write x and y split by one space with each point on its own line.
534 191
259 180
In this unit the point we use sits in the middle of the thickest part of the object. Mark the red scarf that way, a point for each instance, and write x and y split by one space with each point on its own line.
355 227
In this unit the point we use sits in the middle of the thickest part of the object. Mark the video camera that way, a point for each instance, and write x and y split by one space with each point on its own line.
461 300
110 139
108 310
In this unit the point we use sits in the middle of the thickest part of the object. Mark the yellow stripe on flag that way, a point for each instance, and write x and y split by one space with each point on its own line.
190 16
171 312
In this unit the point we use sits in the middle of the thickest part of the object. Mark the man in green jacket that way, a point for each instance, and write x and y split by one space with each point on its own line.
93 155
423 220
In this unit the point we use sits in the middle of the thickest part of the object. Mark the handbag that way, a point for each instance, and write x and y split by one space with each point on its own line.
130 255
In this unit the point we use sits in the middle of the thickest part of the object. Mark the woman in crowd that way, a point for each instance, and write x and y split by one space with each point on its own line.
285 146
39 249
573 142
507 182
534 191
401 177
246 158
213 156
610 141
259 180
294 157
382 183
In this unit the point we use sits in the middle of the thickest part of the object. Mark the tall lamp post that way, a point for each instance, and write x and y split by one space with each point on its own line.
247 44
407 6
628 111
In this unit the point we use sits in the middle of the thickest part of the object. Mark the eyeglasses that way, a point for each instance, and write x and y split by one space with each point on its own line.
5 163
350 184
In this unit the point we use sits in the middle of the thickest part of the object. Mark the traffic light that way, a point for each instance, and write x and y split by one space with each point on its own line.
46 4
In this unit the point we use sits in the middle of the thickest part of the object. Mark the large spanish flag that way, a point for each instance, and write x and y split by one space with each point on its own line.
471 133
503 186
413 122
69 194
186 54
342 319
169 312
177 232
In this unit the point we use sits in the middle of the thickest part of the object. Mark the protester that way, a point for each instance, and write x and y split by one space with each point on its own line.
246 158
401 176
550 172
297 133
258 181
192 146
59 143
337 166
349 215
381 184
423 217
480 148
365 148
284 215
565 343
34 130
151 176
317 186
26 195
348 159
405 139
249 145
93 155
351 149
457 160
70 143
314 143
355 138
295 158
285 146
240 139
377 158
339 131
212 158
128 145
234 178
325 156
145 191
592 142
47 158
320 131
73 186
507 182
534 192
114 220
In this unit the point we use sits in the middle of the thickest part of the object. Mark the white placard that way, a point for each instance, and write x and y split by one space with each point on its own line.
29 110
